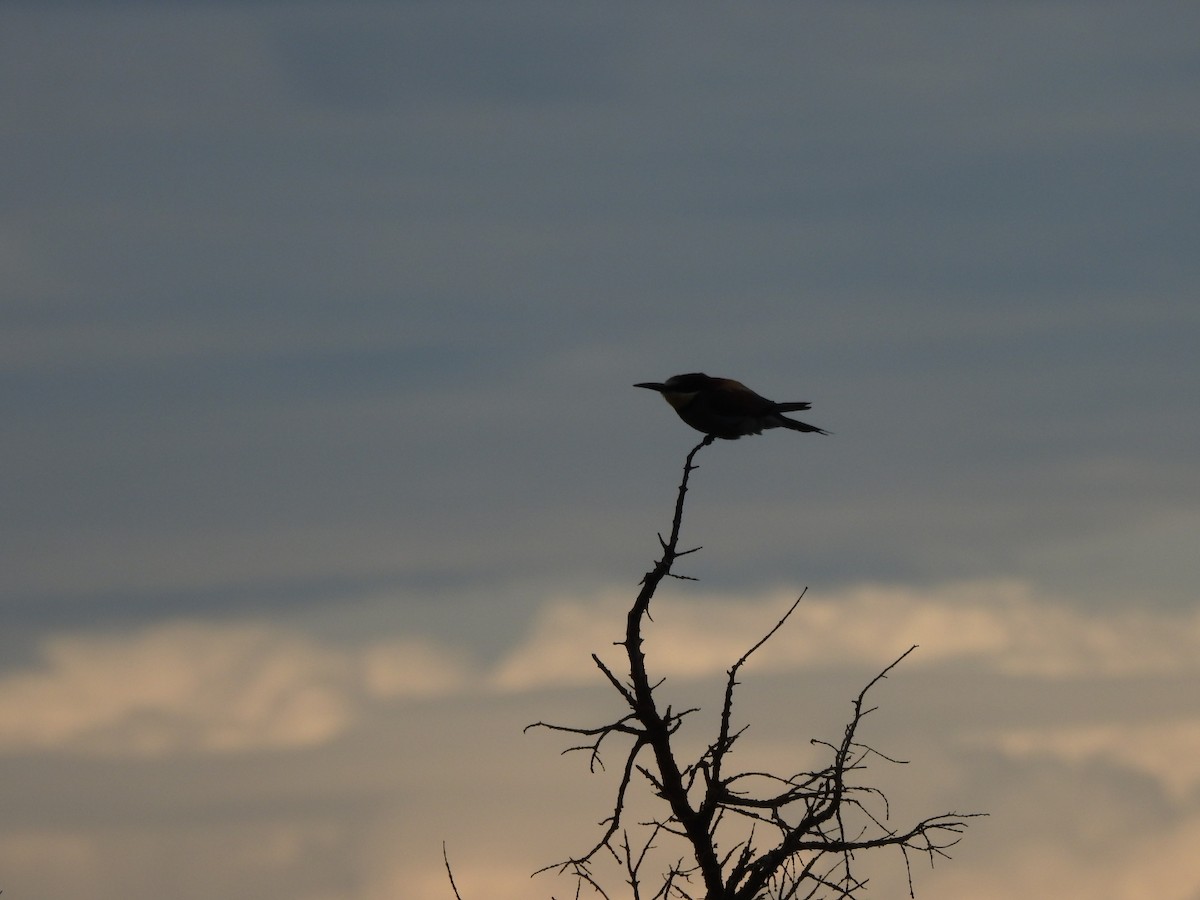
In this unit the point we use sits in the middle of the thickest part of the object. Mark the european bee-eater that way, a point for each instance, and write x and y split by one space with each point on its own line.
725 408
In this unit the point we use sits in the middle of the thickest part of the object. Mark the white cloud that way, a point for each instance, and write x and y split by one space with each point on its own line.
1001 624
412 667
214 688
358 818
207 688
1165 750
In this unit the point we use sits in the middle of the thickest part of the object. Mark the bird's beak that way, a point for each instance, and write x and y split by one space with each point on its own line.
652 385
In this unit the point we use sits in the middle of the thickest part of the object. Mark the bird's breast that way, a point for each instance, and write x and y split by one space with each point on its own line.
679 399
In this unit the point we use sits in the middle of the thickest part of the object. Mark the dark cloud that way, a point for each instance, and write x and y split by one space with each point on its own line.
298 296
413 55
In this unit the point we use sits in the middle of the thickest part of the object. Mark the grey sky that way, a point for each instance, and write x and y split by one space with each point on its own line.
323 318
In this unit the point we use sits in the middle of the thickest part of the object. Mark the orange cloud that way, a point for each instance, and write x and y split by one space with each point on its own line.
1001 624
208 688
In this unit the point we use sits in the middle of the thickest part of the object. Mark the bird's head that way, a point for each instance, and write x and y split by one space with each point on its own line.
680 384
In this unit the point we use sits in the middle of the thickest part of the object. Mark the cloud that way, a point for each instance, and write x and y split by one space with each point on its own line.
1161 865
409 667
1166 751
475 874
1002 625
207 688
299 859
221 688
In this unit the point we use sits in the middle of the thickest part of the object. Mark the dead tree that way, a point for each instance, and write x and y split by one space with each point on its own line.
789 836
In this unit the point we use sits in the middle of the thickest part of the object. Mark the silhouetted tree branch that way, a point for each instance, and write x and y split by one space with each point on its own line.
811 844
450 872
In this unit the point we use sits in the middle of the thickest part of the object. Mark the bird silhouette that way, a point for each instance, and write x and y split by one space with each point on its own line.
724 408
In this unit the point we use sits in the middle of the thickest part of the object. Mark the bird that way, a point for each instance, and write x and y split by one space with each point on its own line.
724 408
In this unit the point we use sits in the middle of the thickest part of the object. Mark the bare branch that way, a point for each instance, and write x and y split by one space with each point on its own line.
818 819
449 873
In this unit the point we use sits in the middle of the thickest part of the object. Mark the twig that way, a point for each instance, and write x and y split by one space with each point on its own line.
449 873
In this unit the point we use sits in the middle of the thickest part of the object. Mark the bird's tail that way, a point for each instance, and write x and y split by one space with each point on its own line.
791 407
800 426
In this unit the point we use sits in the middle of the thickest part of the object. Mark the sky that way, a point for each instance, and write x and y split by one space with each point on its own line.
324 476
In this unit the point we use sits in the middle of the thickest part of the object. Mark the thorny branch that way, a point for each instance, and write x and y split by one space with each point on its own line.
809 814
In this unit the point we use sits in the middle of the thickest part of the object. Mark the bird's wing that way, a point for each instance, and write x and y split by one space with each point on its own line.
732 398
